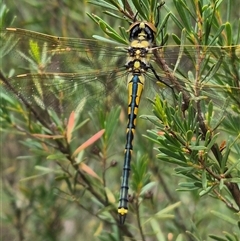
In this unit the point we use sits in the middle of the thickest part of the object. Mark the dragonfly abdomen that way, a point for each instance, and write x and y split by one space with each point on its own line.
135 89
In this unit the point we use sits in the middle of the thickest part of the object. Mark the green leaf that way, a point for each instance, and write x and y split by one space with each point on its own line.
224 217
193 236
181 50
198 148
139 7
35 51
107 29
148 187
234 180
212 142
221 184
163 214
229 34
187 186
157 229
112 5
56 156
231 237
217 238
204 179
220 29
180 237
206 191
184 14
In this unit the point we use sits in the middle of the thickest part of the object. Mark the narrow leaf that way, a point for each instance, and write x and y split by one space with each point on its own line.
89 171
224 217
89 142
48 136
70 126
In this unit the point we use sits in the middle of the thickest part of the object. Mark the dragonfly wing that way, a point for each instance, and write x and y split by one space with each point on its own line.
60 72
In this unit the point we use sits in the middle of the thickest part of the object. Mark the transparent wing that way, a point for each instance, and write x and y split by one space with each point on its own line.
60 72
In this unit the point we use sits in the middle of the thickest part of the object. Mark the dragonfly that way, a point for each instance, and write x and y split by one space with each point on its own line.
58 72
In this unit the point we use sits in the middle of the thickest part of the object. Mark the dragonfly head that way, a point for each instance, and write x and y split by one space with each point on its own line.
142 31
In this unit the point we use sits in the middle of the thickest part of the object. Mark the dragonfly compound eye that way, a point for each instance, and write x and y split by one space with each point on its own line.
142 31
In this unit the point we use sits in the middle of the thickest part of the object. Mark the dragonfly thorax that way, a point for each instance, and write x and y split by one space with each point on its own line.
137 52
138 59
141 54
